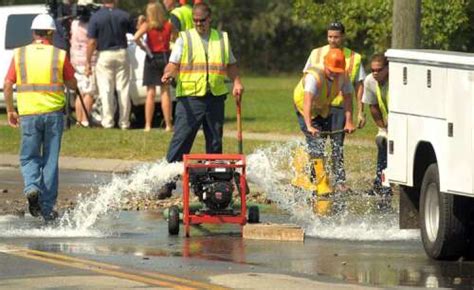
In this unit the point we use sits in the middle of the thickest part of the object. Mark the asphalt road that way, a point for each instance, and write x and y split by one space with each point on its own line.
123 250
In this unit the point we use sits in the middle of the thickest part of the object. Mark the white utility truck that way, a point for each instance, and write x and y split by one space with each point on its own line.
431 146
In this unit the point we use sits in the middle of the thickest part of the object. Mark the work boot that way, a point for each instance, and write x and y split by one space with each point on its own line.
323 186
33 203
165 191
386 191
51 217
302 178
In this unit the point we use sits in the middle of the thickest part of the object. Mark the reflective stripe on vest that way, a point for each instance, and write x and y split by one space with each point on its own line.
40 85
353 63
383 102
321 102
185 16
199 72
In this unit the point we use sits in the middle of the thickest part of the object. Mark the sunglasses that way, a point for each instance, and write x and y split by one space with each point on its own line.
199 20
336 26
377 70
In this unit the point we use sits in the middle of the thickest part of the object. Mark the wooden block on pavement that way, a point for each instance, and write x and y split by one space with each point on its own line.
276 232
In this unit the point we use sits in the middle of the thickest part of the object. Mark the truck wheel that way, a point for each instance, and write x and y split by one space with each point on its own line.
442 220
173 221
254 215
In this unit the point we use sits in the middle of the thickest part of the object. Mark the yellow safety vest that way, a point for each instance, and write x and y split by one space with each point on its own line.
322 103
353 63
383 102
199 72
39 79
185 16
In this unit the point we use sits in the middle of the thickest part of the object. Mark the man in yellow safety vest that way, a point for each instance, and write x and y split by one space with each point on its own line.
376 95
312 99
40 72
181 17
356 73
200 61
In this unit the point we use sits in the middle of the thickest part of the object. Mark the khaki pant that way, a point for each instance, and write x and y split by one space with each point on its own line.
113 73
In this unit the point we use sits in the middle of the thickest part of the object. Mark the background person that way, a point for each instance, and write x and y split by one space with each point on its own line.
78 51
181 16
376 95
312 99
200 62
355 70
40 72
158 34
107 31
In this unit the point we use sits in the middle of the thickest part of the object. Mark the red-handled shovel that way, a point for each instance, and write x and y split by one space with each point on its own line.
239 127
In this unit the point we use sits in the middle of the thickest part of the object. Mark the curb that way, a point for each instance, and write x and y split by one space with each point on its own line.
76 163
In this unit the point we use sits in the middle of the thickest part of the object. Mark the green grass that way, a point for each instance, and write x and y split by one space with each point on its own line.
128 145
267 105
267 108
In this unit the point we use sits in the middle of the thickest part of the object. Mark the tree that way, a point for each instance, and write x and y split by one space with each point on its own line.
444 24
406 23
265 35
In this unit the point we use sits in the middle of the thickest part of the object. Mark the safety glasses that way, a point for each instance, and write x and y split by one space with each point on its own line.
377 70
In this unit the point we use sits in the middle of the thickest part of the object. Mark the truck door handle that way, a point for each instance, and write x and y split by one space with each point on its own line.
450 130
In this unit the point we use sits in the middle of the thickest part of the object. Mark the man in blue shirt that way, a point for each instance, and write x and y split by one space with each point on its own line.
107 34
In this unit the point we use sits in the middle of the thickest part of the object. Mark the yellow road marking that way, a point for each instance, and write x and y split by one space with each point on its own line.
151 278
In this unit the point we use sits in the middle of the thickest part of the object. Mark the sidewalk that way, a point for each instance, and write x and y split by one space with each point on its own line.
118 165
77 163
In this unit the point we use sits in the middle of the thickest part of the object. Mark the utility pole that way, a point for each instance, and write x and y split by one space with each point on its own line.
406 24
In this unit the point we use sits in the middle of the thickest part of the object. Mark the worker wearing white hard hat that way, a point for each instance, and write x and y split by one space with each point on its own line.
43 22
40 72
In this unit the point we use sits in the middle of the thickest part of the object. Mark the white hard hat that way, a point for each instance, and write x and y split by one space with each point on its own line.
43 22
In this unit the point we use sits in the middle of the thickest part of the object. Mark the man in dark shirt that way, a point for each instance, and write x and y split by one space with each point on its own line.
107 34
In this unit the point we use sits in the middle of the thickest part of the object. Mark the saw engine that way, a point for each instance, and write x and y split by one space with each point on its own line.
214 186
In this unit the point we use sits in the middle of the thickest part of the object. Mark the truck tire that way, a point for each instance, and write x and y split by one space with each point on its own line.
442 220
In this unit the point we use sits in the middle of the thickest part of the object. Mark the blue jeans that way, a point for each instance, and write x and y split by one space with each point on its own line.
39 155
338 121
381 165
316 143
191 113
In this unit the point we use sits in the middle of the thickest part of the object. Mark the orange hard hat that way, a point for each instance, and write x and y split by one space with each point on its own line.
335 60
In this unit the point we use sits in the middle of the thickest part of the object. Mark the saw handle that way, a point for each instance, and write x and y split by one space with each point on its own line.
239 126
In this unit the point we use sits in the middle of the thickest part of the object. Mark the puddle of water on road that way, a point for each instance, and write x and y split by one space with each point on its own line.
82 221
14 227
143 181
270 168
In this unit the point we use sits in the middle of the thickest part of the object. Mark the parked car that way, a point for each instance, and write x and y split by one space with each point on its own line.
15 23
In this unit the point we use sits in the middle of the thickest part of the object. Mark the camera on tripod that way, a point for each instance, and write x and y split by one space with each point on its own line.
64 11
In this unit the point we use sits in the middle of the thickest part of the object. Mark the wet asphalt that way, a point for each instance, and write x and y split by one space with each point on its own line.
138 241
